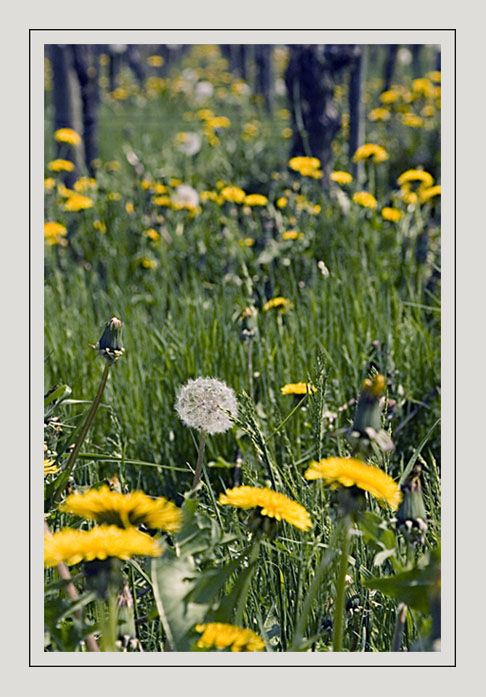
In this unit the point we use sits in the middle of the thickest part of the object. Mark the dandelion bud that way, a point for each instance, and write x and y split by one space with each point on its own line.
110 345
207 404
367 420
411 513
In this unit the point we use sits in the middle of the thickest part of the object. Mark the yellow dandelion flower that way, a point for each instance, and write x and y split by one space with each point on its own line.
233 193
407 195
73 546
341 177
160 188
124 510
426 194
428 110
256 200
298 388
247 242
129 207
205 114
61 165
422 87
113 166
162 201
50 467
315 210
49 183
146 184
218 122
155 61
284 114
120 93
85 184
379 114
148 263
412 120
306 163
222 636
271 503
152 234
67 135
211 196
54 230
113 196
279 303
363 198
282 202
292 235
372 150
389 96
416 175
77 202
100 226
287 132
434 75
340 471
392 214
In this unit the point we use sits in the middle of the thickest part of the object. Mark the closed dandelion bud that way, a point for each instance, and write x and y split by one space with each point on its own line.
367 420
411 514
110 344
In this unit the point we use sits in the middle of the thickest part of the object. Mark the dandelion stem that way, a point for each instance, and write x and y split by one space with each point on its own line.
399 627
71 591
199 464
338 624
82 435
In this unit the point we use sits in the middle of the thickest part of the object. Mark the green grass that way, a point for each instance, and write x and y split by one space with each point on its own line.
376 307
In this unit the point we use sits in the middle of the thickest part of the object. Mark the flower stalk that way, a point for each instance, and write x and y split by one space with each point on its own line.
200 456
338 623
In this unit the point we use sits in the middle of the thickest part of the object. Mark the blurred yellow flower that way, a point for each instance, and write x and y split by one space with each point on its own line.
412 120
434 75
61 165
416 175
379 114
282 202
148 262
223 636
161 188
392 214
162 200
67 135
271 503
211 196
129 208
218 122
113 196
85 184
287 132
407 195
378 153
347 472
426 194
77 202
299 388
233 193
278 303
389 96
284 114
423 87
292 235
256 200
99 225
428 110
54 233
49 183
113 166
155 61
341 177
247 242
152 234
73 546
363 198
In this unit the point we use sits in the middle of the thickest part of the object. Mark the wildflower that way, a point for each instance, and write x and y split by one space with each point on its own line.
298 388
223 636
85 184
389 96
434 75
218 122
411 513
256 200
186 197
50 467
287 133
211 196
250 130
113 196
146 184
233 193
365 199
410 197
368 150
428 110
120 93
284 114
248 242
152 234
162 201
61 165
282 202
99 225
307 163
379 114
110 344
392 214
341 177
77 202
189 143
423 87
155 61
124 510
64 191
113 166
292 235
203 404
426 194
205 114
348 472
129 208
412 175
148 262
67 135
272 505
49 183
412 120
73 546
54 233
279 303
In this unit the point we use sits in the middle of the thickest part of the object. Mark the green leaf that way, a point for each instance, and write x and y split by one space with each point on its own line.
58 394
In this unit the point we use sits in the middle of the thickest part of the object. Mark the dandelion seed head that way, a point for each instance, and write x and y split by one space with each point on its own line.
203 404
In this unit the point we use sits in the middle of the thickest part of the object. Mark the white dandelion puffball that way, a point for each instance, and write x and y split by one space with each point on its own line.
186 196
203 403
191 144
